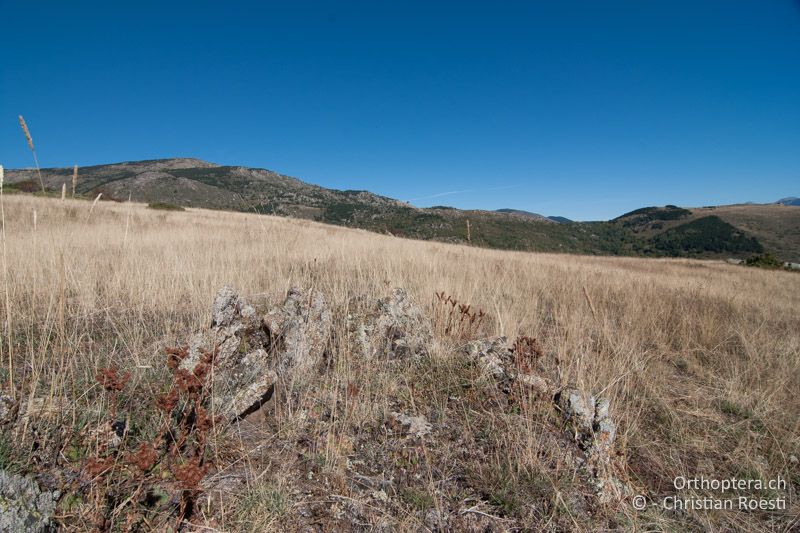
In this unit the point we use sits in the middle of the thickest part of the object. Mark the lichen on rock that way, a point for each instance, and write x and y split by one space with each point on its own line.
251 354
396 328
23 506
299 331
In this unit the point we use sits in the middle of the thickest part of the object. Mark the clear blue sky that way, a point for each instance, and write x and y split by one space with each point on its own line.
583 109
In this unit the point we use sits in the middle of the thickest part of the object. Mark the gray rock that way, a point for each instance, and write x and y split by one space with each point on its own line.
578 410
416 426
493 354
23 507
300 331
595 434
435 521
399 329
536 383
251 355
242 388
9 409
243 376
605 430
226 307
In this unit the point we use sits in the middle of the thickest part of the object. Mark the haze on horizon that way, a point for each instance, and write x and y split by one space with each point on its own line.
585 111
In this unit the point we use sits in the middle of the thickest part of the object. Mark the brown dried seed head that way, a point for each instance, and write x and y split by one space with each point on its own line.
26 132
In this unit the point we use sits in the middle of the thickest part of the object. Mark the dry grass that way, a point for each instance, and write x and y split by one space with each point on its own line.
701 360
29 139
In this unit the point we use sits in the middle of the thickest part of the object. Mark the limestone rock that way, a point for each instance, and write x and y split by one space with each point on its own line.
300 331
578 410
228 308
416 426
399 329
243 376
251 355
8 409
493 354
435 520
23 507
595 434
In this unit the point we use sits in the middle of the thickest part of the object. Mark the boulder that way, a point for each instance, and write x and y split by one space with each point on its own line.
595 433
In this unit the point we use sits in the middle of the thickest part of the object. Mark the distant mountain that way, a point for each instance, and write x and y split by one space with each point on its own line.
722 231
789 200
521 213
536 216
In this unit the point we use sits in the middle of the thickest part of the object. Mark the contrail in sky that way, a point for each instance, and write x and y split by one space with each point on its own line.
450 193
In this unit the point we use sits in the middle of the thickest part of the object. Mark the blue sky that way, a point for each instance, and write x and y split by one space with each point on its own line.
582 109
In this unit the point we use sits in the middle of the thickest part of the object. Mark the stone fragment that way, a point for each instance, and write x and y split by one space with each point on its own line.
24 507
578 410
416 426
493 354
8 409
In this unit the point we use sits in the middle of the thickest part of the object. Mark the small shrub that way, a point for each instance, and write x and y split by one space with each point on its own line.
164 206
23 186
766 260
261 506
734 409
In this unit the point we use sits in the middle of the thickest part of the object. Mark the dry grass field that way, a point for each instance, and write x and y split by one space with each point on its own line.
700 361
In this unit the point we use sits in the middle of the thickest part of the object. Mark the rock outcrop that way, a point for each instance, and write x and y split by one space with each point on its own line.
494 356
23 507
595 433
499 361
397 328
252 354
414 426
587 417
299 333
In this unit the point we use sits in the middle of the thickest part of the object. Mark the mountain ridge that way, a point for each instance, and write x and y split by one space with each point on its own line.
192 182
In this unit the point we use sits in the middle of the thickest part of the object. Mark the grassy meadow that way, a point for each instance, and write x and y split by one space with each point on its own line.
700 361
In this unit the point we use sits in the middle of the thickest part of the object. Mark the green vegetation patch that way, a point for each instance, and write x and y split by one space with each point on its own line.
709 234
23 186
765 260
668 212
164 206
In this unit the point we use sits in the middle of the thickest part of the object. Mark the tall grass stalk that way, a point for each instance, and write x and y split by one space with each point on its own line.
94 203
127 221
8 338
28 138
74 179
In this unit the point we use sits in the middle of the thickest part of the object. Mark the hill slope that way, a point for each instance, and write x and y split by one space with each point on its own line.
699 362
195 183
791 200
191 182
775 228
